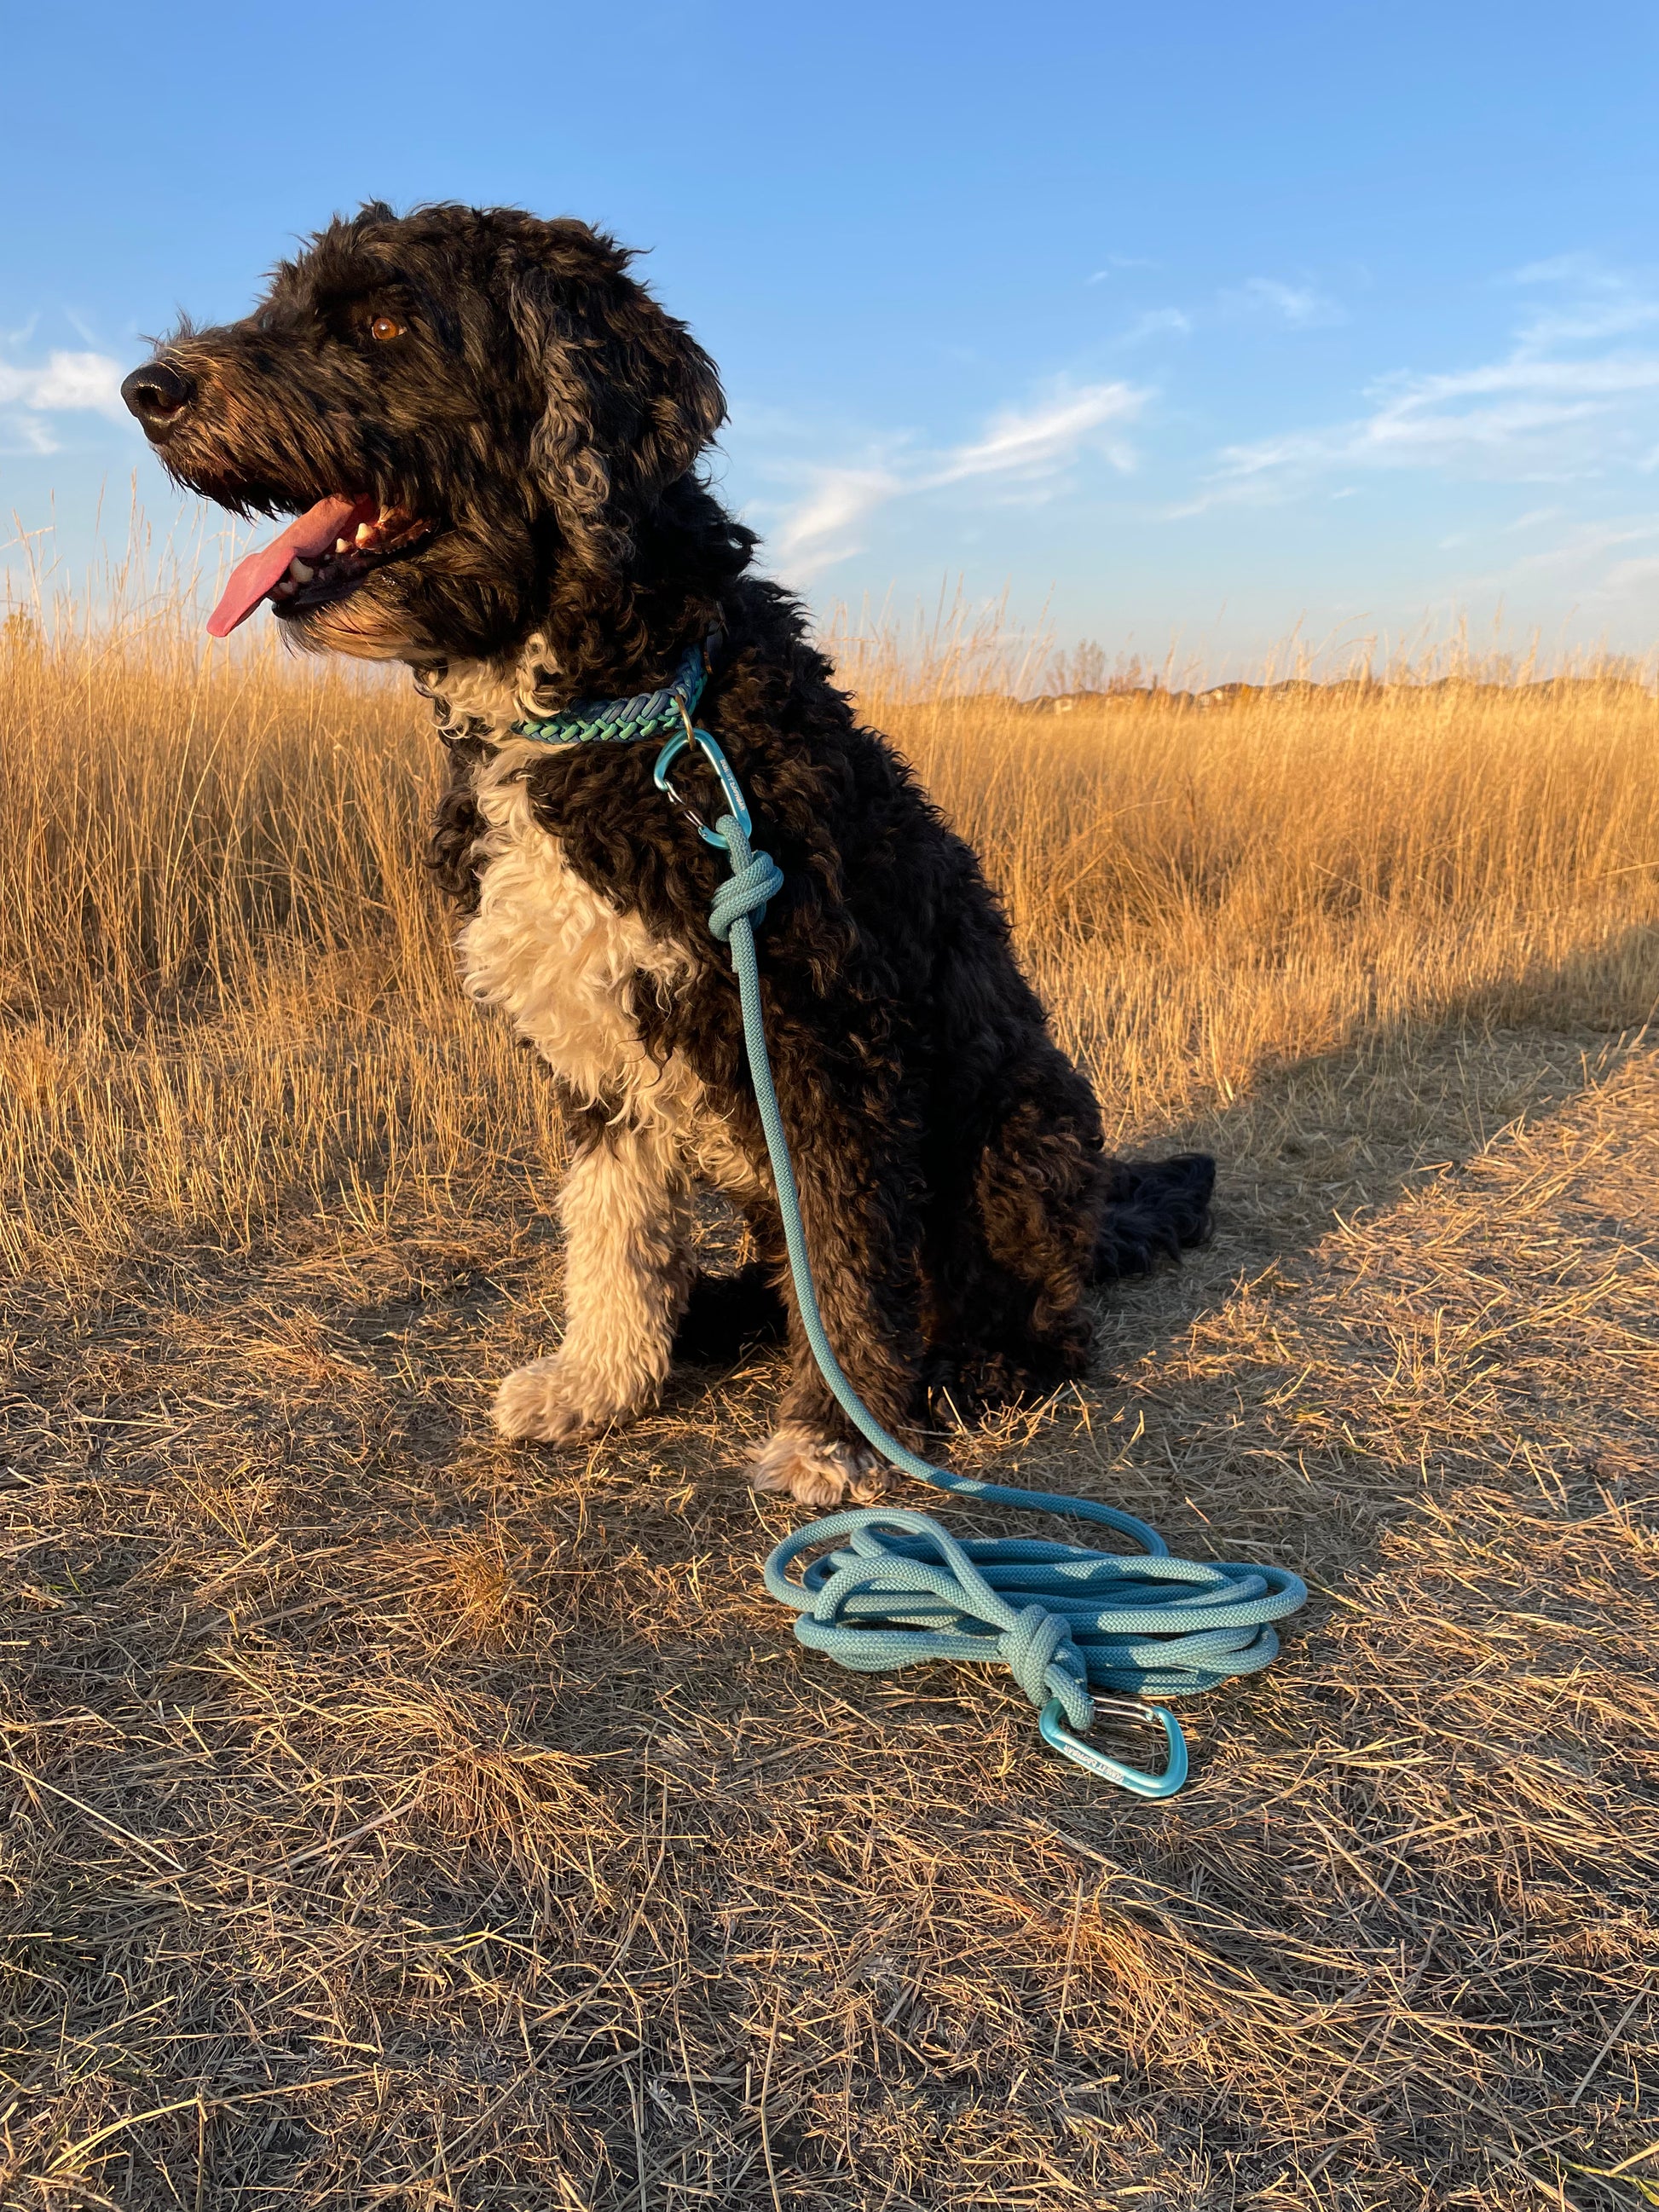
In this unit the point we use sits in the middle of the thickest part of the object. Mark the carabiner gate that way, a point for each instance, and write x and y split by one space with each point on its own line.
1051 1722
731 790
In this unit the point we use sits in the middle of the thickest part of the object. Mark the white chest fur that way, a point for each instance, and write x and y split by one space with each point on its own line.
551 953
561 962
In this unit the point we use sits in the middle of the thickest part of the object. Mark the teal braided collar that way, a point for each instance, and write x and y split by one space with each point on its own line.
648 714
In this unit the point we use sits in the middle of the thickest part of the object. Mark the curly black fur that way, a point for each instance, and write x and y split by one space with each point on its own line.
546 414
726 1315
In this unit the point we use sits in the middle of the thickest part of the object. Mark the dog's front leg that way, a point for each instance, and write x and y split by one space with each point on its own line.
625 1211
860 1208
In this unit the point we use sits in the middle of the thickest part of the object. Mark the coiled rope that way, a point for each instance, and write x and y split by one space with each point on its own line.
897 1588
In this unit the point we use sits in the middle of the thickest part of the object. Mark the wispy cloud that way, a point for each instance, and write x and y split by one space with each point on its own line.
1627 579
1157 323
1302 305
1600 303
1023 451
824 526
1592 563
1583 543
1115 264
1561 405
64 383
1039 441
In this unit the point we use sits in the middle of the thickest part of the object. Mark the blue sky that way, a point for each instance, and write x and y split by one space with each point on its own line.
1188 326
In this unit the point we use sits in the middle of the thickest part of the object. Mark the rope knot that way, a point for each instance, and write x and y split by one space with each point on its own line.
1040 1654
745 893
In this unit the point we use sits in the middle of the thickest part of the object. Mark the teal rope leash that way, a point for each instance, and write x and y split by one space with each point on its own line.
1069 1623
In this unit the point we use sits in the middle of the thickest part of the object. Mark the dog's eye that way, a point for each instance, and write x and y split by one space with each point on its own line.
385 326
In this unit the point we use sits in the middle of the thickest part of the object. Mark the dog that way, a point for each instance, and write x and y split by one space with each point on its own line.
490 433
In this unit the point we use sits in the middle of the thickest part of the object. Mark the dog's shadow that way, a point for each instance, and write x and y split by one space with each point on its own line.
1320 1140
1313 1143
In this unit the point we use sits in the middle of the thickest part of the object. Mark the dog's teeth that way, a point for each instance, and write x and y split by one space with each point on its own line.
298 570
283 589
341 546
366 532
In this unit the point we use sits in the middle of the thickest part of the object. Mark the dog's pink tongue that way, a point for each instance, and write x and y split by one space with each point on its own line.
309 534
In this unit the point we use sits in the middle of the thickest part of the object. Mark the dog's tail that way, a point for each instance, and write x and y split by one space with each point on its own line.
1154 1209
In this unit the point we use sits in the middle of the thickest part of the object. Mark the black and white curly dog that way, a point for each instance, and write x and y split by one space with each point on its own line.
490 434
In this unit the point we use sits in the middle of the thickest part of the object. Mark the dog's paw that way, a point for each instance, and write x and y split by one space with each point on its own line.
552 1401
802 1464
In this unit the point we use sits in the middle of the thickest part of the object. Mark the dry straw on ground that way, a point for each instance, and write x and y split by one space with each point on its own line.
399 1818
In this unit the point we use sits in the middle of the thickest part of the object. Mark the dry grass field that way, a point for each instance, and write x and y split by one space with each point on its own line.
395 1818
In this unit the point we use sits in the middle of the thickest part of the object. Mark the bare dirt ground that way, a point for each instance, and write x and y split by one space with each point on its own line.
397 1818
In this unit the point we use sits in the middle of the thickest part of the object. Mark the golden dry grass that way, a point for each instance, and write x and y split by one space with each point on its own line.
397 1818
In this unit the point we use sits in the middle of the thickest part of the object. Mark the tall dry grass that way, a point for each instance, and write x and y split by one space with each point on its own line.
390 1815
226 985
227 989
1205 890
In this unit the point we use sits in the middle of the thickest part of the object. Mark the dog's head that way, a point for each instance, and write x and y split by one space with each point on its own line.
475 413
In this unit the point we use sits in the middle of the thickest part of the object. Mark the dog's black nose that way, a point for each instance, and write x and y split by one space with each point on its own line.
157 394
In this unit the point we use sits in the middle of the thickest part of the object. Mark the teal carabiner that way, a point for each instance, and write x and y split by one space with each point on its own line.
731 789
1051 1722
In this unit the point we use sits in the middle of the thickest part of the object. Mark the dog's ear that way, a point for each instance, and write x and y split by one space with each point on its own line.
624 398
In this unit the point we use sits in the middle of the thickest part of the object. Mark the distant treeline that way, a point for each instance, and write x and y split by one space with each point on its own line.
1152 684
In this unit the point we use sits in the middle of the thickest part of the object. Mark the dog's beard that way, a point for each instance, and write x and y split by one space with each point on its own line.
369 623
358 629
